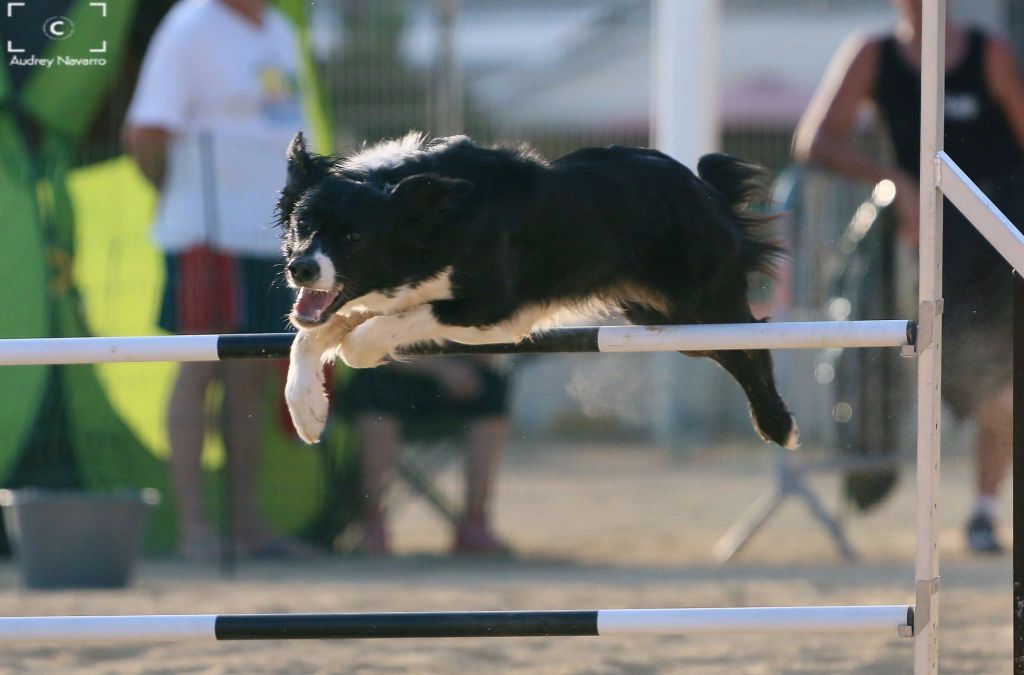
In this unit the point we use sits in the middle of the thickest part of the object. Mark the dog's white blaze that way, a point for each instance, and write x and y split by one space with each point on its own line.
404 297
325 281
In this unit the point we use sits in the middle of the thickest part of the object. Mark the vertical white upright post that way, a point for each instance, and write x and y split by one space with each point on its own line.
684 124
449 106
929 351
684 105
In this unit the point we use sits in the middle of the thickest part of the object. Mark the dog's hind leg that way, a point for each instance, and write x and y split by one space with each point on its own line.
752 369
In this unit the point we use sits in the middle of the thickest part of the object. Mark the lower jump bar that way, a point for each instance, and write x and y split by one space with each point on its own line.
706 337
837 619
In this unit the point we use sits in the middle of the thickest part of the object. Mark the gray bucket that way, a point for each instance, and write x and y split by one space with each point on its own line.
69 539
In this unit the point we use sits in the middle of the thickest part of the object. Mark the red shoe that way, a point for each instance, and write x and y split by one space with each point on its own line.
477 539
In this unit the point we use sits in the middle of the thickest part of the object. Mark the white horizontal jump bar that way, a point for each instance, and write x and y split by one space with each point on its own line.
707 337
40 351
203 627
840 619
795 335
158 627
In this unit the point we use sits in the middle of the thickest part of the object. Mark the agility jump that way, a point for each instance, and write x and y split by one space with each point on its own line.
896 619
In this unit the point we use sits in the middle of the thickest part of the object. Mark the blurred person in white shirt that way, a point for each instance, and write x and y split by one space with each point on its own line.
216 104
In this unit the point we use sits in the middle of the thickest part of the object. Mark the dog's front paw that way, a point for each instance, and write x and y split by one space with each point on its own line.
307 402
362 348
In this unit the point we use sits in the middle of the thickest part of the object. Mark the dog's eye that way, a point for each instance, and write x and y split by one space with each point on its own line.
353 236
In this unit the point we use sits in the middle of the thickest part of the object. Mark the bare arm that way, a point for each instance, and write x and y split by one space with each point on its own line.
148 146
824 134
1006 84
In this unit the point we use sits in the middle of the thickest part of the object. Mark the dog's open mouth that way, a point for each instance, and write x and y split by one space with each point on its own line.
314 306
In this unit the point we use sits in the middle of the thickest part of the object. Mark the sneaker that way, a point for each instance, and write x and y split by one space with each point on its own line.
478 539
981 535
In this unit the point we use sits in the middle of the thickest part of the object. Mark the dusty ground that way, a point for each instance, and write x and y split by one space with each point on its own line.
594 528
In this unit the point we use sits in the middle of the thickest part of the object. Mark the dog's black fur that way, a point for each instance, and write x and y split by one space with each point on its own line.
626 227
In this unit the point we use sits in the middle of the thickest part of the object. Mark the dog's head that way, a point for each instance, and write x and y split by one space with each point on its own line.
347 235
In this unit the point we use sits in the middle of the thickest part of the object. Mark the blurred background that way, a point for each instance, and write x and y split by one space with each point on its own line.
558 74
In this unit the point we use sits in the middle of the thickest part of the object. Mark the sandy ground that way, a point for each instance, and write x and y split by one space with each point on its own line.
593 528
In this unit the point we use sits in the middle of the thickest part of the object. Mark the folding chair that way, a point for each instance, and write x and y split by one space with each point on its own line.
869 389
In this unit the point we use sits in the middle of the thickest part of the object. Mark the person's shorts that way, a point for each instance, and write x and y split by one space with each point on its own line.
388 390
977 322
207 291
977 347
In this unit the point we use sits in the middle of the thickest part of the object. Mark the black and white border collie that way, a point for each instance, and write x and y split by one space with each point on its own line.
412 241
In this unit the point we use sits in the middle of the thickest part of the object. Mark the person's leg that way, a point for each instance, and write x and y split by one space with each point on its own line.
242 426
186 425
975 384
995 441
379 437
994 417
485 444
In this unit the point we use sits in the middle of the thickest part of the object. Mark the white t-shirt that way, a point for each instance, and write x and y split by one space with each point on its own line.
227 90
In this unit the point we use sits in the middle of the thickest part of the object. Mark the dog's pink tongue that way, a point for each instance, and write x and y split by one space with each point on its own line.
310 303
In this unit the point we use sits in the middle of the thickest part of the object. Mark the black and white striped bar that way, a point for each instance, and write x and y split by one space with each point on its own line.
817 620
796 335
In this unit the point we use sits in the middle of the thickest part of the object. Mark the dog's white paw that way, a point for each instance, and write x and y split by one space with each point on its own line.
307 402
362 347
793 440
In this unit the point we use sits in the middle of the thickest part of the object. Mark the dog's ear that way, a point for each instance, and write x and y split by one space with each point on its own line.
429 193
304 167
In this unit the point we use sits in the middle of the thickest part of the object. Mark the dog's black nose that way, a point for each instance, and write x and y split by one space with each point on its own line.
304 270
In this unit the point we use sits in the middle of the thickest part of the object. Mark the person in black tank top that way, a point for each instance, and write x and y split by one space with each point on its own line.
980 140
977 131
984 134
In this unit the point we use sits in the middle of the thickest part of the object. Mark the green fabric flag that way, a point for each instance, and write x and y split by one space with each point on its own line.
24 278
62 406
75 260
64 98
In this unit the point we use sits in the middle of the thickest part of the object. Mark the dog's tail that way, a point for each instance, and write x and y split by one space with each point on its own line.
741 184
